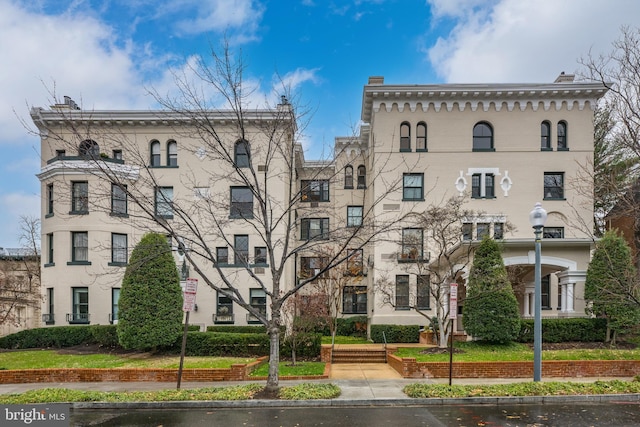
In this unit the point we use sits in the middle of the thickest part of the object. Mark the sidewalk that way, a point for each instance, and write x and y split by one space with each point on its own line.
366 383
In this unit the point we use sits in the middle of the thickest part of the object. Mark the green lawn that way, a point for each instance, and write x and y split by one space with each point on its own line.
477 352
285 369
38 359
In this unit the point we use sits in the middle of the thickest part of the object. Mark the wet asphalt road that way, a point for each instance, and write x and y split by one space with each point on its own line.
618 414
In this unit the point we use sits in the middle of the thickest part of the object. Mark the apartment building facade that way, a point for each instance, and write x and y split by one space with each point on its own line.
501 147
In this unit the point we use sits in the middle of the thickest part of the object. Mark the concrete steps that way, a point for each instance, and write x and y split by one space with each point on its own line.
359 355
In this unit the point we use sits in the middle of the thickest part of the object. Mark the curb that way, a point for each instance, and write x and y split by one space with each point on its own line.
596 398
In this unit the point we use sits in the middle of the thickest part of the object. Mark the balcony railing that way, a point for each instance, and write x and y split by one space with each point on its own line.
72 158
78 318
223 318
252 319
48 319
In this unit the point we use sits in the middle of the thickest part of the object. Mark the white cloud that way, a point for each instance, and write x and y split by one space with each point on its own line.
14 206
241 16
71 54
524 41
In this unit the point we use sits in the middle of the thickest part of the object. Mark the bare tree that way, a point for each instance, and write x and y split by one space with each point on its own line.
449 256
246 185
617 134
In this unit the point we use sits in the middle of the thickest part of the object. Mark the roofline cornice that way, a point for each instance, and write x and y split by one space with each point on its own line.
44 118
474 96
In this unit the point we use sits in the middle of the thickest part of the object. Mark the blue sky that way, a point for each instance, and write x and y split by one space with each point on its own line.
105 54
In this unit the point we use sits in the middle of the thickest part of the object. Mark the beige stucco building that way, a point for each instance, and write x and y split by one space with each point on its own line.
20 296
502 147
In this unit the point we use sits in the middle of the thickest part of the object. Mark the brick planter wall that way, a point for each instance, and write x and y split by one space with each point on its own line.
238 372
409 368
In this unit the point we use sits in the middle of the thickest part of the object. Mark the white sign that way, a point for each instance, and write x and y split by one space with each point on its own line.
453 301
191 286
188 301
189 295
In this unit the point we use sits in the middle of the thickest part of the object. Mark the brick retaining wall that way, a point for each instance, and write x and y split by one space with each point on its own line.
409 368
238 372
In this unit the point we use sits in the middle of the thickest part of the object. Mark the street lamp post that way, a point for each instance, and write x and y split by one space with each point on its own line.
537 217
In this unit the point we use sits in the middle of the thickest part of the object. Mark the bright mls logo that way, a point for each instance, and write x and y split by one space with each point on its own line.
37 415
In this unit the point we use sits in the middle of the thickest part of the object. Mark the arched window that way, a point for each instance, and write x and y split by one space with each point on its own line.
562 136
155 153
348 176
421 137
172 153
241 154
89 148
362 177
405 137
545 136
482 137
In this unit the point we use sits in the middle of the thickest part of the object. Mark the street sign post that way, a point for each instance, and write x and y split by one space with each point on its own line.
188 303
453 314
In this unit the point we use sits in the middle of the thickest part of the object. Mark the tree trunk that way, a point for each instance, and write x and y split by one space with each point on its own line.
274 358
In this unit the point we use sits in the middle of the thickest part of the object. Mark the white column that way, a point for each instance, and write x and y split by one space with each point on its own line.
563 304
570 288
527 305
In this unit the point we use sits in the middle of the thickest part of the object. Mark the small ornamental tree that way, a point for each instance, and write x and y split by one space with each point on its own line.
611 285
150 306
490 311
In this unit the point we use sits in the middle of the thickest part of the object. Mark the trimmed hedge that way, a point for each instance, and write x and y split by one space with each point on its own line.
53 337
225 344
231 329
104 335
395 333
355 326
565 330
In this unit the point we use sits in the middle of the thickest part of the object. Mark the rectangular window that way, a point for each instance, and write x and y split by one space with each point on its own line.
489 186
314 228
118 199
402 292
354 300
222 255
164 202
554 185
61 153
50 249
258 300
49 200
475 185
117 154
553 232
354 262
48 318
241 202
423 292
412 244
311 266
224 309
260 255
115 298
315 191
498 230
79 246
546 294
79 197
240 249
482 230
467 231
80 308
482 186
354 216
412 186
118 249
